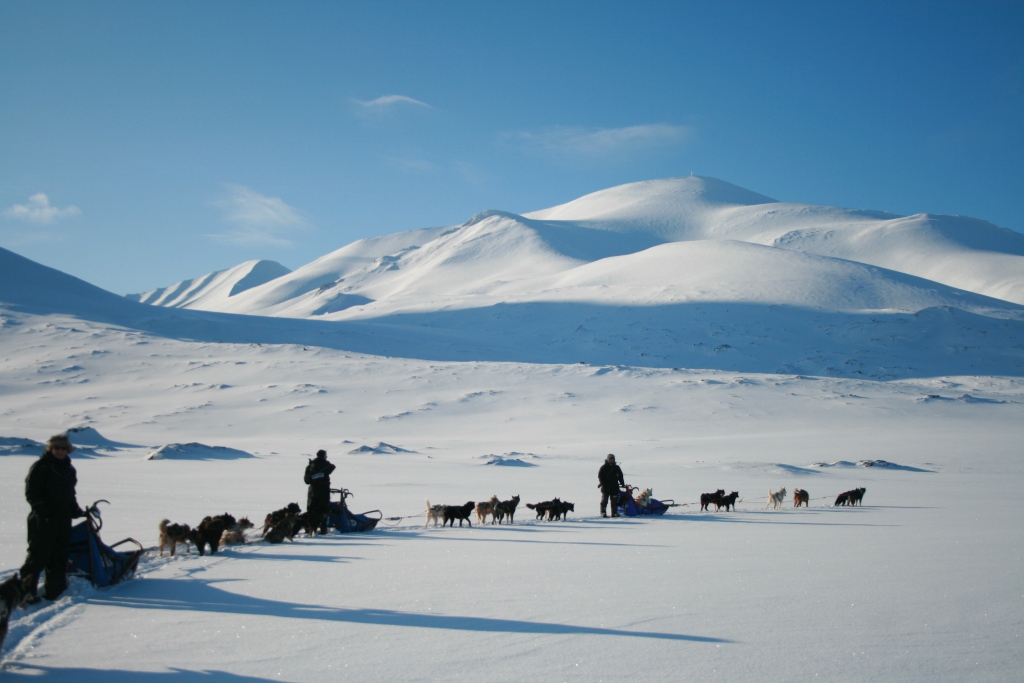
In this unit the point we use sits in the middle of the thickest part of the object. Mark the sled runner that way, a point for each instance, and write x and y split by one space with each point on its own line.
628 507
102 564
344 520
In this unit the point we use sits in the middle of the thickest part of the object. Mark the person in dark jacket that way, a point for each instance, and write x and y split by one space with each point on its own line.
318 497
50 491
609 479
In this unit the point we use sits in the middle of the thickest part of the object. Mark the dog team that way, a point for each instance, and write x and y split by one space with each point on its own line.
776 499
278 526
212 532
497 510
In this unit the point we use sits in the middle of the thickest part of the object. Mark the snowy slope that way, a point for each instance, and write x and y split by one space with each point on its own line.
701 304
893 590
215 287
960 252
502 253
304 288
702 363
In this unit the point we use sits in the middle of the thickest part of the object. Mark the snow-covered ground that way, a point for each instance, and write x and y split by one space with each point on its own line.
793 381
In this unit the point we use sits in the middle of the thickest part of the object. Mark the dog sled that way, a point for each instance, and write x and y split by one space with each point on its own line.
642 505
345 521
104 565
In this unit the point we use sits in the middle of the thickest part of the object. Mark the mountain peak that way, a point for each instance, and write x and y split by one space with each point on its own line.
654 198
215 286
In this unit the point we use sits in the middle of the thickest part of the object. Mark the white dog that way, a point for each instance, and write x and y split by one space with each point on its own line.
434 512
775 498
644 499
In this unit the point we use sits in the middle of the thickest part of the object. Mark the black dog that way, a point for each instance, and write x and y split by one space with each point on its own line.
275 517
560 510
12 593
854 497
458 512
543 507
306 522
727 501
506 508
710 498
209 532
285 529
857 496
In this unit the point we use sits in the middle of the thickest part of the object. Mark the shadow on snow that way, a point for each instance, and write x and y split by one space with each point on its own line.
202 596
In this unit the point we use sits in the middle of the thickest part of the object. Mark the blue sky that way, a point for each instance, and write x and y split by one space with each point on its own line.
142 143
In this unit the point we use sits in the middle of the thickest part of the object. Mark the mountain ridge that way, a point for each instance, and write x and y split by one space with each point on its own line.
494 248
505 287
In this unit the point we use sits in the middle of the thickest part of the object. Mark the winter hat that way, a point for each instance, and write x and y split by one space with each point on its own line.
60 441
321 453
610 458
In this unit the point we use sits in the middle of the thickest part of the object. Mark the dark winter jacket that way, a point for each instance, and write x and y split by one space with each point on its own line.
610 477
318 477
50 491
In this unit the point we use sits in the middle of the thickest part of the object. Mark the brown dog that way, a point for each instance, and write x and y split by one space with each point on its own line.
173 534
800 497
486 508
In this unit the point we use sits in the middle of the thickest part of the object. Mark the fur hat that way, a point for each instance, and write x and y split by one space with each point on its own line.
321 453
610 458
60 441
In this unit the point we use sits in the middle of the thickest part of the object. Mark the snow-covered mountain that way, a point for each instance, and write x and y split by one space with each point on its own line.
690 272
214 287
498 256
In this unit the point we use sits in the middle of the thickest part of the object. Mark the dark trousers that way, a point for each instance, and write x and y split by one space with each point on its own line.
318 506
614 498
48 548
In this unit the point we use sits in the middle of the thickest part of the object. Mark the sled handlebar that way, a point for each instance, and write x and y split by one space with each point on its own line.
93 513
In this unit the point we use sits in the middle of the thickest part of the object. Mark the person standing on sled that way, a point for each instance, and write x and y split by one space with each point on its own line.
318 498
50 492
610 479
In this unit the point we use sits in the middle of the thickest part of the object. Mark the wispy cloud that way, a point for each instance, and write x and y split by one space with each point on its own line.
597 143
414 165
259 219
386 106
38 210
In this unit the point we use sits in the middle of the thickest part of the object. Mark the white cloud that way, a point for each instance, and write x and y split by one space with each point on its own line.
388 103
39 211
593 143
260 220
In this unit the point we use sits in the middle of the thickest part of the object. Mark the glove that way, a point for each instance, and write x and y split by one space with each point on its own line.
79 512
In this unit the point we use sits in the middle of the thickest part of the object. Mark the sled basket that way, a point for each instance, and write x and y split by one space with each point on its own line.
628 508
90 557
345 521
